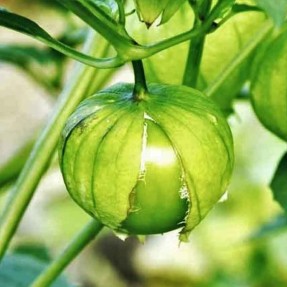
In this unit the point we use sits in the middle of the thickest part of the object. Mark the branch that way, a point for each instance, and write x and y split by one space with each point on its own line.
85 236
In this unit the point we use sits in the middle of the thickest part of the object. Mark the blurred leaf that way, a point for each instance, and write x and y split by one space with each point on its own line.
276 9
22 25
23 55
275 225
43 65
279 183
21 270
26 26
73 36
34 250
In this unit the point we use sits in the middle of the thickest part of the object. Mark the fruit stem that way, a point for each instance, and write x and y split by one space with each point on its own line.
140 88
85 236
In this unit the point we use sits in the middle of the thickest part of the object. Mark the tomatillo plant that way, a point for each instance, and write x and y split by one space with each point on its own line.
145 158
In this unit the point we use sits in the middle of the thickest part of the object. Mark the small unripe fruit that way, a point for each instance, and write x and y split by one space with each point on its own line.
147 166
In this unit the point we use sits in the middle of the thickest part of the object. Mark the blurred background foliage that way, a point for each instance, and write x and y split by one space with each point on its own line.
242 242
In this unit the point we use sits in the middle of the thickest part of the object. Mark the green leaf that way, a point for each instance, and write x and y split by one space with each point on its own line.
26 26
279 183
22 24
276 9
33 249
277 224
23 55
21 270
43 65
74 37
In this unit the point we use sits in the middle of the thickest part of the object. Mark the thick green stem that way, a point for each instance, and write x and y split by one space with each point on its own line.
122 16
85 236
140 88
41 154
192 67
196 45
239 58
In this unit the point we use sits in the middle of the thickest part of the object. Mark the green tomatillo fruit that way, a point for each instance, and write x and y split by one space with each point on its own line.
269 86
149 165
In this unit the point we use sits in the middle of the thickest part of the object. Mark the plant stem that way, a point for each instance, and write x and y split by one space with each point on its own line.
239 58
122 16
45 146
193 62
113 32
85 236
196 45
140 88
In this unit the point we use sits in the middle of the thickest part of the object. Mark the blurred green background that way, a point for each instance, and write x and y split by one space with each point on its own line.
242 242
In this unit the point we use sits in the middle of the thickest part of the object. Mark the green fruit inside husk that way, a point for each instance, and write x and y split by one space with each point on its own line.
269 86
148 166
158 197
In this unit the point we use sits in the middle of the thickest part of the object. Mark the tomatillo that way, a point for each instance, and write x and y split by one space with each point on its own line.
269 86
147 166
